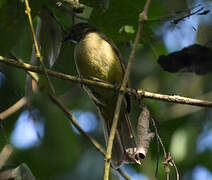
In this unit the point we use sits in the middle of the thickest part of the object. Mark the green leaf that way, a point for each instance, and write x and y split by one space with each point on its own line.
129 29
50 36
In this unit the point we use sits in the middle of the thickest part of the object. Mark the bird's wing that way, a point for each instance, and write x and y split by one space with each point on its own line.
116 50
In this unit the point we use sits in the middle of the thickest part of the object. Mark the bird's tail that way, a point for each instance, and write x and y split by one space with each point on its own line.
124 137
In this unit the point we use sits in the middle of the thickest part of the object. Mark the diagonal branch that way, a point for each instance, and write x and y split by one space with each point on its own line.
136 93
142 20
12 109
5 154
74 122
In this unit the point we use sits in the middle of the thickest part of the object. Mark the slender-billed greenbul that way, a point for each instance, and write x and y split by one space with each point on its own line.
97 58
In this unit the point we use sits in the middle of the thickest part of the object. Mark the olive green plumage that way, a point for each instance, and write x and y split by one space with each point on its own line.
97 58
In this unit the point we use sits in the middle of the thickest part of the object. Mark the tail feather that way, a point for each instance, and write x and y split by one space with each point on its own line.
124 137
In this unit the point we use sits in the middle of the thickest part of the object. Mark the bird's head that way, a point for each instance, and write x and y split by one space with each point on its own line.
78 31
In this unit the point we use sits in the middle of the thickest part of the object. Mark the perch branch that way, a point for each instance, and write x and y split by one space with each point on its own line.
145 94
175 99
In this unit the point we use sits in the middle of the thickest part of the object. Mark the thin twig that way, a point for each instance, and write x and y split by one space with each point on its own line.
158 137
176 21
142 20
38 54
167 156
12 109
144 94
176 170
173 15
168 161
166 167
69 10
167 173
158 145
74 122
123 174
158 157
178 110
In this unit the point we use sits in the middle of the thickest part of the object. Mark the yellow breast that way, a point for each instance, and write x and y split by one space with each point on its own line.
95 58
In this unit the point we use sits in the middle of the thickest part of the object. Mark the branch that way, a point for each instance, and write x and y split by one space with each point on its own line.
159 139
175 99
167 156
175 21
142 20
69 10
176 170
74 122
122 173
137 93
175 14
38 54
166 167
12 109
169 161
177 110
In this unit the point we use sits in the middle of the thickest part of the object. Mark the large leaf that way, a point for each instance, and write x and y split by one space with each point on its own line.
50 36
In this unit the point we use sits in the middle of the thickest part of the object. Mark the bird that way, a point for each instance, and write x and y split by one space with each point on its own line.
97 58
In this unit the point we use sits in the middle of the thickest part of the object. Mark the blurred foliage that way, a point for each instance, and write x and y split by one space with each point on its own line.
64 154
